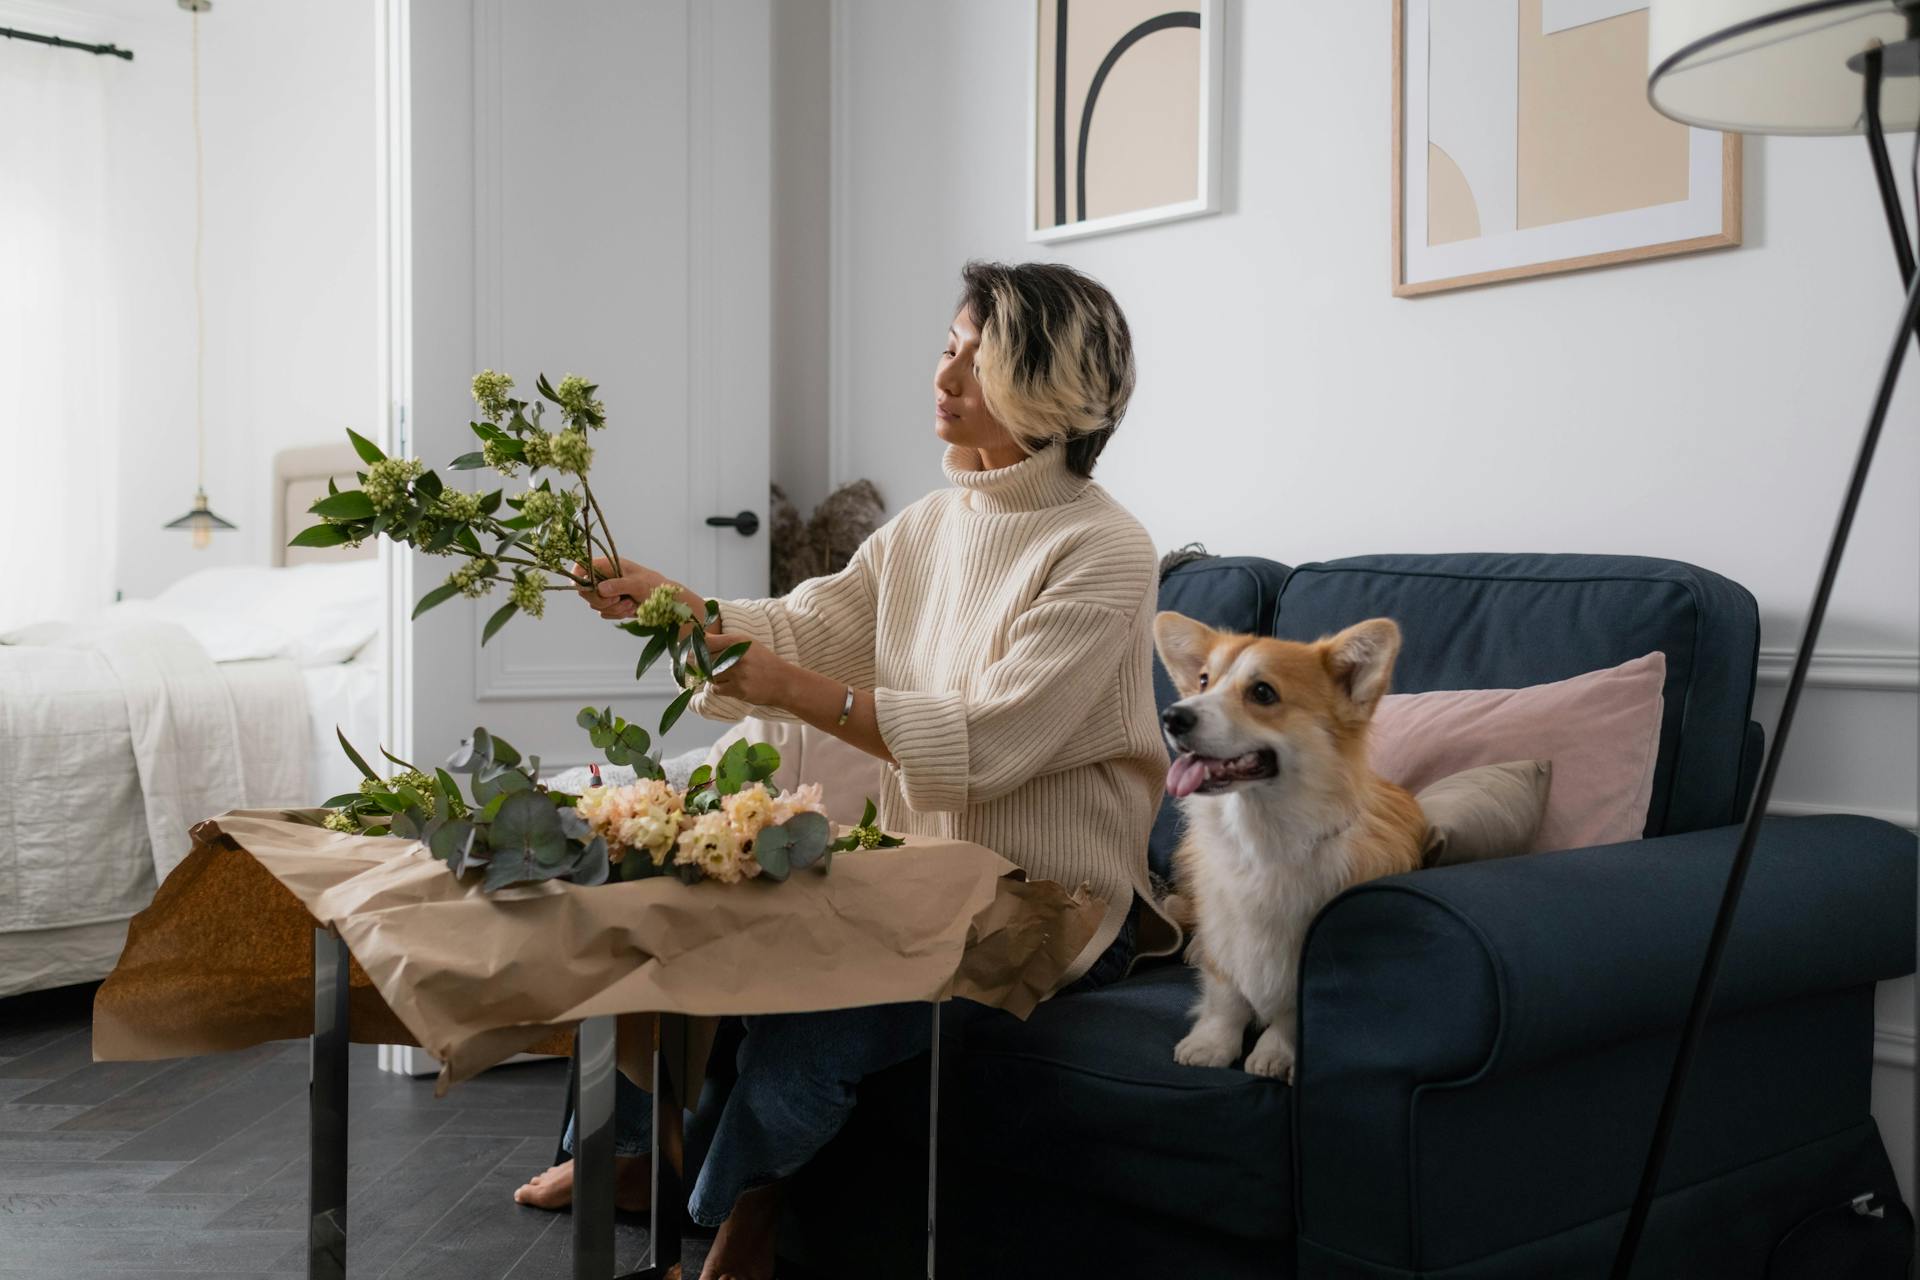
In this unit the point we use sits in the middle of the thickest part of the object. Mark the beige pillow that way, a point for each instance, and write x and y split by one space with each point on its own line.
1493 811
848 776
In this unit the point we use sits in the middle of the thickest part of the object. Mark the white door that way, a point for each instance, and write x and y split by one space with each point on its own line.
589 192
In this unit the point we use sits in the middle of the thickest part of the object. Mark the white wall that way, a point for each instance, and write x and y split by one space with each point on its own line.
1703 408
802 159
287 108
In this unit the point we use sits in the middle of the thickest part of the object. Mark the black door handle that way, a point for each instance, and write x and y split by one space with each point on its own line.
746 523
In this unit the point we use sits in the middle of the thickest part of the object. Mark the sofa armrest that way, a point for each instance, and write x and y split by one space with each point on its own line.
1458 977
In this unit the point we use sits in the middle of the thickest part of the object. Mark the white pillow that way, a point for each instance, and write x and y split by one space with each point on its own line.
326 613
226 639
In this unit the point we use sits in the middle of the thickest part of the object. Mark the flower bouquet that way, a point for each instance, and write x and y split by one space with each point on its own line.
728 823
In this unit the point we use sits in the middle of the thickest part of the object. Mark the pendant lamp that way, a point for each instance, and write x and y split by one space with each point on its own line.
200 520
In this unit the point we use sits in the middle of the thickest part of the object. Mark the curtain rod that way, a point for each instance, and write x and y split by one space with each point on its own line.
111 50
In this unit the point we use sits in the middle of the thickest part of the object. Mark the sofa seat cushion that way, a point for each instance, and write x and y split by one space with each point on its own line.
1085 1099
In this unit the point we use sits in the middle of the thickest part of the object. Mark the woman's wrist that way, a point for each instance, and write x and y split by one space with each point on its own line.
807 694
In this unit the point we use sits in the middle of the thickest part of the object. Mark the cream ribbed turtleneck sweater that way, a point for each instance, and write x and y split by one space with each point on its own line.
1005 627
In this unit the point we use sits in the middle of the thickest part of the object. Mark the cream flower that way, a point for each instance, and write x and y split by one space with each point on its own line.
653 830
709 844
645 815
748 810
593 805
806 798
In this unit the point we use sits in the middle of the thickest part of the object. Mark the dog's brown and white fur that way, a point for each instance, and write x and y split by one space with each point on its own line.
1282 812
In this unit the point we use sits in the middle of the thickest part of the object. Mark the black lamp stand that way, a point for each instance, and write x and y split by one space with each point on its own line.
1902 59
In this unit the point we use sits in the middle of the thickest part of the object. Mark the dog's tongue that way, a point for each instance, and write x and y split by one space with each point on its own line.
1185 775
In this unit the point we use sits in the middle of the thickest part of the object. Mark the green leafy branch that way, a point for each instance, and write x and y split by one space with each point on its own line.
514 829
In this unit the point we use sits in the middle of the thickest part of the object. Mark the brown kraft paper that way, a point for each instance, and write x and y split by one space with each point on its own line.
223 958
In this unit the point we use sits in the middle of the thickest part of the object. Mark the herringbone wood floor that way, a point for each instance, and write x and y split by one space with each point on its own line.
198 1166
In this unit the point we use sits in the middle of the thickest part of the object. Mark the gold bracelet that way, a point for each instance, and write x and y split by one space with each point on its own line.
846 708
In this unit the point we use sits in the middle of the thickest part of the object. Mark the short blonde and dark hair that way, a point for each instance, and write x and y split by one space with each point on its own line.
1056 357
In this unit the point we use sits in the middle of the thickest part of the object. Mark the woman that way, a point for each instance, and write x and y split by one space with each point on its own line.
991 644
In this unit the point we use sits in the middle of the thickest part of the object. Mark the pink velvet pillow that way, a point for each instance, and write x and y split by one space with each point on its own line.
1601 731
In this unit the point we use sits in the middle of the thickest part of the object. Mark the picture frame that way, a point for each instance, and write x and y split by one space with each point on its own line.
1059 134
1709 217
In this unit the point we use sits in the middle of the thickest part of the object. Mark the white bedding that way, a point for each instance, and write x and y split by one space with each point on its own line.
113 743
348 696
119 733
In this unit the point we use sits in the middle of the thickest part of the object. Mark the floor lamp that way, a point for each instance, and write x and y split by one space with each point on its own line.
1769 66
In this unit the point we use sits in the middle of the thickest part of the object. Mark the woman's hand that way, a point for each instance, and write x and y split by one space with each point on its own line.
761 676
618 594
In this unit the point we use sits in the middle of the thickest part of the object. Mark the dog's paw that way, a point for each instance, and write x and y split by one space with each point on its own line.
1206 1046
1273 1058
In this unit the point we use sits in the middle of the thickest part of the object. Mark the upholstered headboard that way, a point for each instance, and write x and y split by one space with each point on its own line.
299 479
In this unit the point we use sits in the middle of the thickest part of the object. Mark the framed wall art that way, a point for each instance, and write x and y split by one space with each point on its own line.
1523 145
1124 114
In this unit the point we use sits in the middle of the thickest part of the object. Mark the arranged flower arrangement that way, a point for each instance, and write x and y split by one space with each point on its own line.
728 824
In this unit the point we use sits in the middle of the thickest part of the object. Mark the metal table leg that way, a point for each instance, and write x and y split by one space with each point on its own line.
933 1134
593 1065
669 1196
327 1112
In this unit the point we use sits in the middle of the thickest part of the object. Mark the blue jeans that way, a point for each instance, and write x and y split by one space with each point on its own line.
797 1077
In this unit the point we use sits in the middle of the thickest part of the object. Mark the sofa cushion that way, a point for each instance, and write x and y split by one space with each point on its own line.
1509 621
1229 593
1086 1094
1601 730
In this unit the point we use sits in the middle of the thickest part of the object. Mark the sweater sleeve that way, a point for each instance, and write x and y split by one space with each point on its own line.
1026 715
825 624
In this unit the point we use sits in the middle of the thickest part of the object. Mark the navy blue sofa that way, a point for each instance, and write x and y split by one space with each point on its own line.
1482 1047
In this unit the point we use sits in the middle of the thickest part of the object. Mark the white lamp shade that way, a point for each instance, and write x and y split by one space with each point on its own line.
1772 66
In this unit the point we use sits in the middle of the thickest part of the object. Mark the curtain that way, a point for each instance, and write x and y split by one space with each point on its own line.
57 440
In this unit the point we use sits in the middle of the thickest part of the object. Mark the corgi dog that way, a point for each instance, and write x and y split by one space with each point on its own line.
1282 814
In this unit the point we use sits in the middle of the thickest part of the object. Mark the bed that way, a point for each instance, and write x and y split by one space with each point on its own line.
118 732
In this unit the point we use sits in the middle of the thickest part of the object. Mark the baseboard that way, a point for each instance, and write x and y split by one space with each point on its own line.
410 1060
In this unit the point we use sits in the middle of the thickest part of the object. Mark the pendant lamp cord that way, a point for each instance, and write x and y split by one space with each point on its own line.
199 300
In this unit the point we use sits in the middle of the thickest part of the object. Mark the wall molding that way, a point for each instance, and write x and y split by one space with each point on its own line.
1893 1046
1885 669
1907 818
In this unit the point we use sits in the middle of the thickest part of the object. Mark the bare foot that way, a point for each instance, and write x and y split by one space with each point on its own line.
744 1248
553 1190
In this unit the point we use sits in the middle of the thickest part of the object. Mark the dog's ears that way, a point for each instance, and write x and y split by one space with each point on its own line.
1184 645
1361 659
